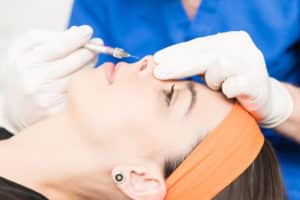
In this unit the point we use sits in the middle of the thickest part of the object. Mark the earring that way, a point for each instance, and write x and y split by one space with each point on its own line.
118 177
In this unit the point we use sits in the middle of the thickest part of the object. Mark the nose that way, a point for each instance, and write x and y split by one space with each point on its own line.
146 65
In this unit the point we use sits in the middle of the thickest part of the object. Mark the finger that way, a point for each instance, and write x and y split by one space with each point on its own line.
70 64
58 107
214 77
211 43
181 66
29 41
57 103
92 64
60 86
165 54
96 41
239 87
218 71
62 45
201 45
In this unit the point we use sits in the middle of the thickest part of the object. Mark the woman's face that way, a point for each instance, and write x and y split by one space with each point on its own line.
126 107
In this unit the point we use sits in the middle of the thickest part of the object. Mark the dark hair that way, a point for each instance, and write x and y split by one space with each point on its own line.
260 181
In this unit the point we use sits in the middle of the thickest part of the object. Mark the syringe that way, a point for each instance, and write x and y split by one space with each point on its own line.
115 52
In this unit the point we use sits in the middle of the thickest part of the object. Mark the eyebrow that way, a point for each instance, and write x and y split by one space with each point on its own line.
191 88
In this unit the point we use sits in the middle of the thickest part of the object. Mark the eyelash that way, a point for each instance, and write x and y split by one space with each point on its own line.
169 94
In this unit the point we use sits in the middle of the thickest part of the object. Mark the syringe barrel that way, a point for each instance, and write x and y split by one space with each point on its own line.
115 52
100 49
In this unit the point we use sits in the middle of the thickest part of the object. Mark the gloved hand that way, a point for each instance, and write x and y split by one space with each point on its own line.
37 72
231 62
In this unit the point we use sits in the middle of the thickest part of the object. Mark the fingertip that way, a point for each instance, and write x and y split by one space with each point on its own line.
97 41
73 28
160 56
86 29
79 32
168 54
227 89
232 87
159 73
156 58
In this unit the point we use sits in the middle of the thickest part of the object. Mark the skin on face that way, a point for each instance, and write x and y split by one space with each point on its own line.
138 113
127 123
140 121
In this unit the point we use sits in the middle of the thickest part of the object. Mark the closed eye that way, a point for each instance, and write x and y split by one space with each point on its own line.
169 94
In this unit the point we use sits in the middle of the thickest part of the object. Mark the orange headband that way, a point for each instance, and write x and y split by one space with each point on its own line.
218 160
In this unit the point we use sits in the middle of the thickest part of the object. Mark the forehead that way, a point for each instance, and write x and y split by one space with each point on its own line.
210 107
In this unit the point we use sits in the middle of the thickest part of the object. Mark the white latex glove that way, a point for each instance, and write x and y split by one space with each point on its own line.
231 62
39 67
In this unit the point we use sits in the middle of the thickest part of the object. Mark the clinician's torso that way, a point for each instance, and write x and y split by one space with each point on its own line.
143 27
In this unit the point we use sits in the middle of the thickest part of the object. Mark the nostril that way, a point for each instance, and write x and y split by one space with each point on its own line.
144 65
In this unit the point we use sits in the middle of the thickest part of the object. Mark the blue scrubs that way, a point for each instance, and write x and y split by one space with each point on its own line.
143 27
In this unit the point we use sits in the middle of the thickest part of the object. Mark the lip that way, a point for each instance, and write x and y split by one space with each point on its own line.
109 69
118 65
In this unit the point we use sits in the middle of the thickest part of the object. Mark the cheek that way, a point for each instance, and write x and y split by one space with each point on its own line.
87 99
121 108
83 98
106 111
87 83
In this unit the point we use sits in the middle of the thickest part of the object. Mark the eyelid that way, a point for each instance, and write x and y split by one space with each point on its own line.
191 88
169 94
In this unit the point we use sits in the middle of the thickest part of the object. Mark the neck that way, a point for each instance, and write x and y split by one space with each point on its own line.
52 158
191 7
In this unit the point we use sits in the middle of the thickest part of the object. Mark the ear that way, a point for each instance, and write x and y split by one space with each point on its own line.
141 183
